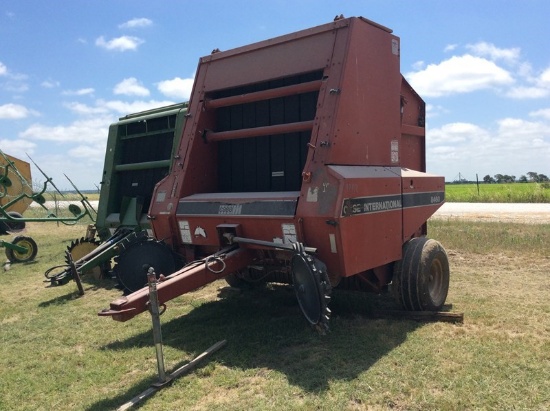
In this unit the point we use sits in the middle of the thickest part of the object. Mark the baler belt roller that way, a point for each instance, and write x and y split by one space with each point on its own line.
264 95
259 131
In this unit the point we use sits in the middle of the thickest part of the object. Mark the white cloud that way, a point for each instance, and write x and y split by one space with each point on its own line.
81 92
544 113
50 84
544 79
136 23
122 107
450 47
459 74
17 148
86 130
513 146
456 132
419 65
87 151
527 92
489 50
539 86
433 110
15 82
12 111
179 88
518 130
114 107
131 87
122 43
15 86
84 109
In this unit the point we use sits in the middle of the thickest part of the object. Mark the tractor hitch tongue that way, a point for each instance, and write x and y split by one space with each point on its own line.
309 274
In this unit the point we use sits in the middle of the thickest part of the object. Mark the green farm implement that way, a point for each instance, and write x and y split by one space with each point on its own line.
139 154
17 194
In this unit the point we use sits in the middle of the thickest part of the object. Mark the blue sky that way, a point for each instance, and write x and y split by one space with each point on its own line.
70 68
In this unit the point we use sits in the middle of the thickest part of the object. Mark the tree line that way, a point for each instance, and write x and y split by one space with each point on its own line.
530 177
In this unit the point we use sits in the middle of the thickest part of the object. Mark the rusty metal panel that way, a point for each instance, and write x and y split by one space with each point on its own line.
262 216
300 52
352 215
423 194
21 183
366 121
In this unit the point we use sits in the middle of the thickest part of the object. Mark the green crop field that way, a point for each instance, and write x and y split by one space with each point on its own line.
498 193
57 354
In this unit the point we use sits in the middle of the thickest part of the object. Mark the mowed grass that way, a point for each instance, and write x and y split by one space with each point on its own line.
498 193
56 353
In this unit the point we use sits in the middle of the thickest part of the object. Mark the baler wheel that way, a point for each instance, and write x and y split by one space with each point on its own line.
134 261
421 278
22 241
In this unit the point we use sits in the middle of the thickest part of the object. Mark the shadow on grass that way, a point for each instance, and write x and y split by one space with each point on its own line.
264 328
89 283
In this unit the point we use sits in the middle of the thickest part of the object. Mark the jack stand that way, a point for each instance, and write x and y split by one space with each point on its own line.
157 333
164 379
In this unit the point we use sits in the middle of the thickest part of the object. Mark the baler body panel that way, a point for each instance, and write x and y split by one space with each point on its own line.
303 138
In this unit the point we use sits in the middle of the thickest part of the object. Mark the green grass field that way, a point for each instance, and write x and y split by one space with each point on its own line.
57 354
498 193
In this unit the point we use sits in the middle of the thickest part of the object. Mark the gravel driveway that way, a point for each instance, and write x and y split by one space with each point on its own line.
534 213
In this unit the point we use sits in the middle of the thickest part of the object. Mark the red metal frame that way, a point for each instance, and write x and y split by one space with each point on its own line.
364 190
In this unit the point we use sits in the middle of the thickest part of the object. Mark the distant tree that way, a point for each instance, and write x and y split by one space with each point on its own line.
499 178
533 177
488 179
523 179
537 178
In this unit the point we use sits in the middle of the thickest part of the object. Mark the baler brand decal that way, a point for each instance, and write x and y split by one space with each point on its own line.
378 204
366 205
230 209
253 208
423 199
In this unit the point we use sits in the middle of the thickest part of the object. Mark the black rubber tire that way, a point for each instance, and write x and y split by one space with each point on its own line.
421 278
22 241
